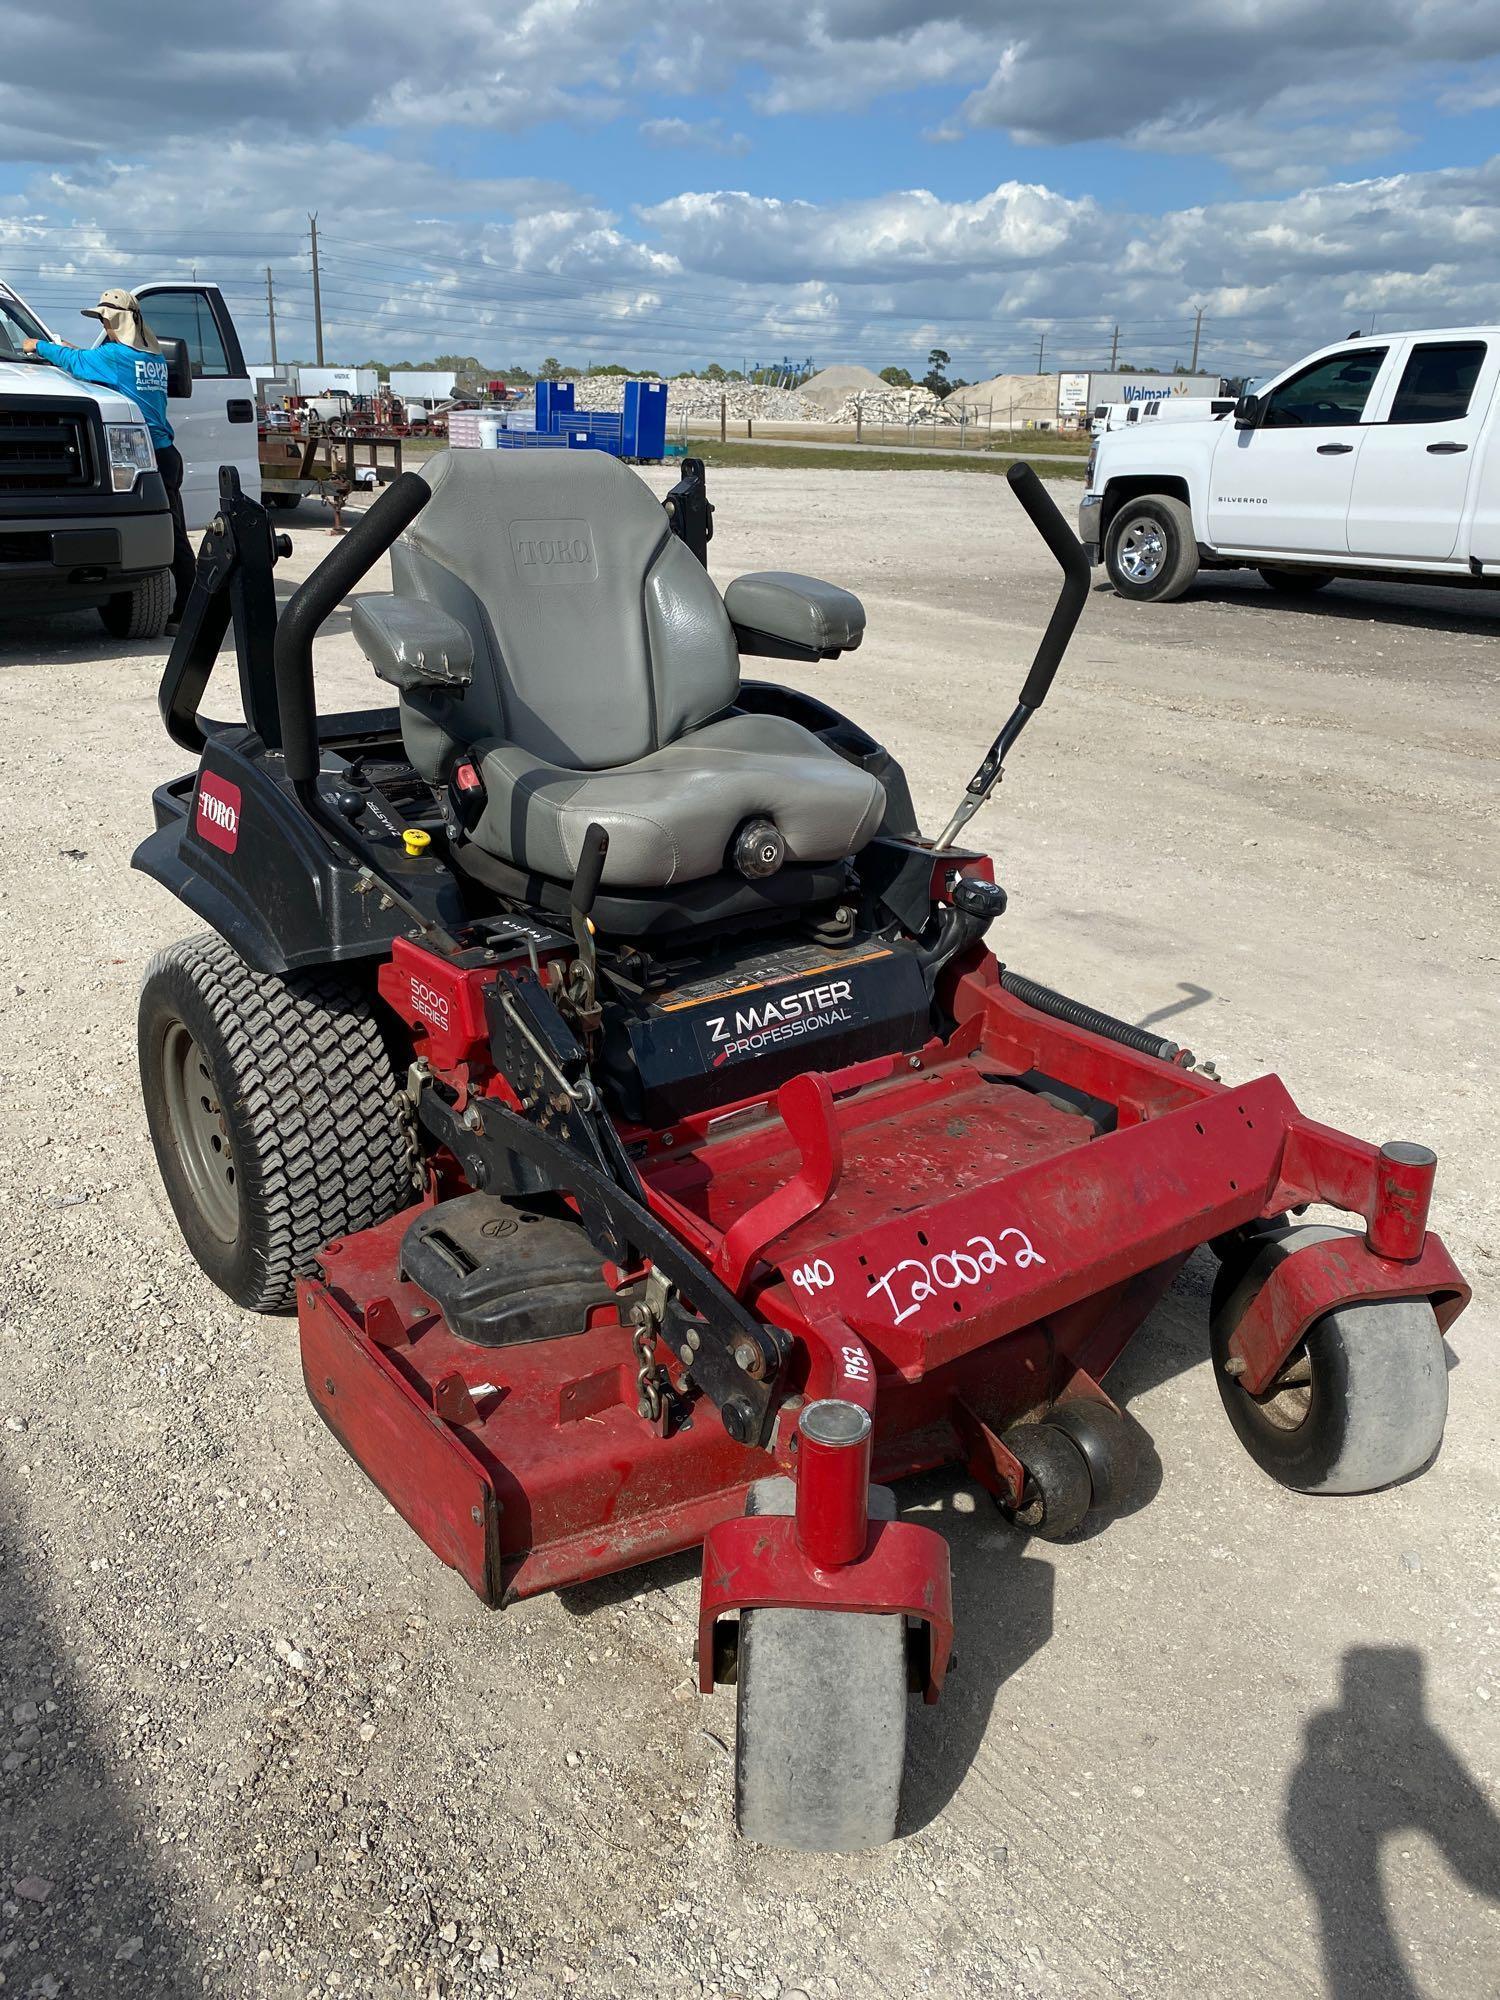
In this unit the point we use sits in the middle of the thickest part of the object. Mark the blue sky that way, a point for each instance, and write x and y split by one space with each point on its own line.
856 180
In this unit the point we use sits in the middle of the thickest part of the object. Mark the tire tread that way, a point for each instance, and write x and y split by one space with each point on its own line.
315 1091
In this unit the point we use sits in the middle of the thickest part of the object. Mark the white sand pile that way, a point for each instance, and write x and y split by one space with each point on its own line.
834 386
1013 399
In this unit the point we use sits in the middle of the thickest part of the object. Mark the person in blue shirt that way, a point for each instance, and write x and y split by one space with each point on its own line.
129 359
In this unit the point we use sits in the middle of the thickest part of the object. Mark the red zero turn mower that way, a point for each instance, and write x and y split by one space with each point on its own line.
620 1085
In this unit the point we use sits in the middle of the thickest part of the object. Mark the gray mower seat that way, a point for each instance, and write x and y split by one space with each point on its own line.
604 671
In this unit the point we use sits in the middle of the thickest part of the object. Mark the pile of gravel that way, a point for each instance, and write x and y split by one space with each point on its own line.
828 398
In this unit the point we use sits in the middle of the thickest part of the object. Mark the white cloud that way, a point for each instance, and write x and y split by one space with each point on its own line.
706 135
1229 77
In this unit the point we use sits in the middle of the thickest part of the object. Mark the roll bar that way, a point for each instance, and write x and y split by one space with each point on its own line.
1069 555
332 580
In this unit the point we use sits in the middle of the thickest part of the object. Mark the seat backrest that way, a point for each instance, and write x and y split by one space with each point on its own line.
598 636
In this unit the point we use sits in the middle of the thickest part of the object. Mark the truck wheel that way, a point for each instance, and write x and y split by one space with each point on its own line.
1151 552
1360 1403
286 500
142 611
1296 582
821 1740
275 1113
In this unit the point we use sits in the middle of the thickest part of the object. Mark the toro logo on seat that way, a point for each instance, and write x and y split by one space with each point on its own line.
553 551
217 816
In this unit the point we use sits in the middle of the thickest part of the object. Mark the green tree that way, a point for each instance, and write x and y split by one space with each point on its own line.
551 370
899 378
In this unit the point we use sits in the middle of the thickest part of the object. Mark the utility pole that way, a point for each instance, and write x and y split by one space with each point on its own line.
1114 349
1041 348
1197 333
271 313
317 294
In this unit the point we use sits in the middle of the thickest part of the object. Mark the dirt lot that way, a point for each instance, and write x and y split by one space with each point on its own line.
254 1740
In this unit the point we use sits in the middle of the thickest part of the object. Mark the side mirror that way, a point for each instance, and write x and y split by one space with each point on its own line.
179 370
1249 413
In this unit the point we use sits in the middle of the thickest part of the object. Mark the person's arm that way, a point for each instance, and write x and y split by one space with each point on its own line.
88 364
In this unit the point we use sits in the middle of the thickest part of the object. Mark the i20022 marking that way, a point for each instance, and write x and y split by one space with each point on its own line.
914 1280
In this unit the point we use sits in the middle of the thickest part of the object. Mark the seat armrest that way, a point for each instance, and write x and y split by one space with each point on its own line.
785 617
411 643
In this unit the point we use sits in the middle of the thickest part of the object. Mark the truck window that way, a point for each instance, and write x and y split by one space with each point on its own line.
1437 382
189 317
1332 392
16 325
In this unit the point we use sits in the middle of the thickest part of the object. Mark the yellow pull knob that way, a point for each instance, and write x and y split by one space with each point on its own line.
417 840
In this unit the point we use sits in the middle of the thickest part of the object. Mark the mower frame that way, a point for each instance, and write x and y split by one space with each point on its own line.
944 1240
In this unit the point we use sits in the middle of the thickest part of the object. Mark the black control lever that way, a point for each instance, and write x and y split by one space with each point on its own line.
1074 564
585 888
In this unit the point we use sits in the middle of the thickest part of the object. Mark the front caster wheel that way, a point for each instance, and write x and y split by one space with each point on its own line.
1059 1491
1361 1401
821 1728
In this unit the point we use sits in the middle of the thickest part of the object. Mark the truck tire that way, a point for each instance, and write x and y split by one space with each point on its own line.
275 1113
1295 582
1150 551
142 611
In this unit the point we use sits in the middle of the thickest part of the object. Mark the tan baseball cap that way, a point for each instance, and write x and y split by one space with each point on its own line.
120 312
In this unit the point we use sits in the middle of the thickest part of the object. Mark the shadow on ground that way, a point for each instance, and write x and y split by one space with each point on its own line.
86 1908
1374 1767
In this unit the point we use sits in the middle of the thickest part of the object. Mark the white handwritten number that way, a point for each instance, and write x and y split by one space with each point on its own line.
916 1281
856 1364
813 1277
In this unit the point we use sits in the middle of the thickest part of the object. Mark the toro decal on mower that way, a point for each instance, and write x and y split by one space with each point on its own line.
217 818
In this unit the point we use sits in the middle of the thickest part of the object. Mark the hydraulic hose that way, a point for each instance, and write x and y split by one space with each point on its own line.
1089 1018
332 580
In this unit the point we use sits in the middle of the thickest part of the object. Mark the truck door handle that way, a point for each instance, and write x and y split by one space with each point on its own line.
1448 445
241 410
1333 450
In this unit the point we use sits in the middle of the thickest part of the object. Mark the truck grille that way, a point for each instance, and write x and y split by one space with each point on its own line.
44 450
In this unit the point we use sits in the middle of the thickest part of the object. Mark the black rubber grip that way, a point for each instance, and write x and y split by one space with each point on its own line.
1069 555
590 869
332 580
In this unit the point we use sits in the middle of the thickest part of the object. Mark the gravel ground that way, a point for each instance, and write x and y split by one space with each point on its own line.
255 1740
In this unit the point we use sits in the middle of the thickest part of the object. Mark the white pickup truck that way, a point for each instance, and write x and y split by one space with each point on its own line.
83 512
1375 458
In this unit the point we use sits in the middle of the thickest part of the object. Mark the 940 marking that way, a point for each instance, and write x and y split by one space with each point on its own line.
910 1283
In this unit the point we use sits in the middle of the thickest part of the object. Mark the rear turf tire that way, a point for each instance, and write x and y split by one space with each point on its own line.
1150 550
142 611
275 1112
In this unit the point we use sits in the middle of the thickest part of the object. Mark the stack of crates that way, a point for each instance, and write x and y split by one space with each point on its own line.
638 432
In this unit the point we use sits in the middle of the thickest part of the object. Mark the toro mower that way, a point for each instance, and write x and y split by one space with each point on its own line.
593 1049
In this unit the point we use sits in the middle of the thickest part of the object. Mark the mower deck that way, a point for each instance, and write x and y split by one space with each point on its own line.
981 1254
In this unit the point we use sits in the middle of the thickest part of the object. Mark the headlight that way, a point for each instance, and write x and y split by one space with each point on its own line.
1088 477
130 454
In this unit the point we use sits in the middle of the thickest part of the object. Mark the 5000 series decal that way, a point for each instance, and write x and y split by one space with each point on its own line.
746 1031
